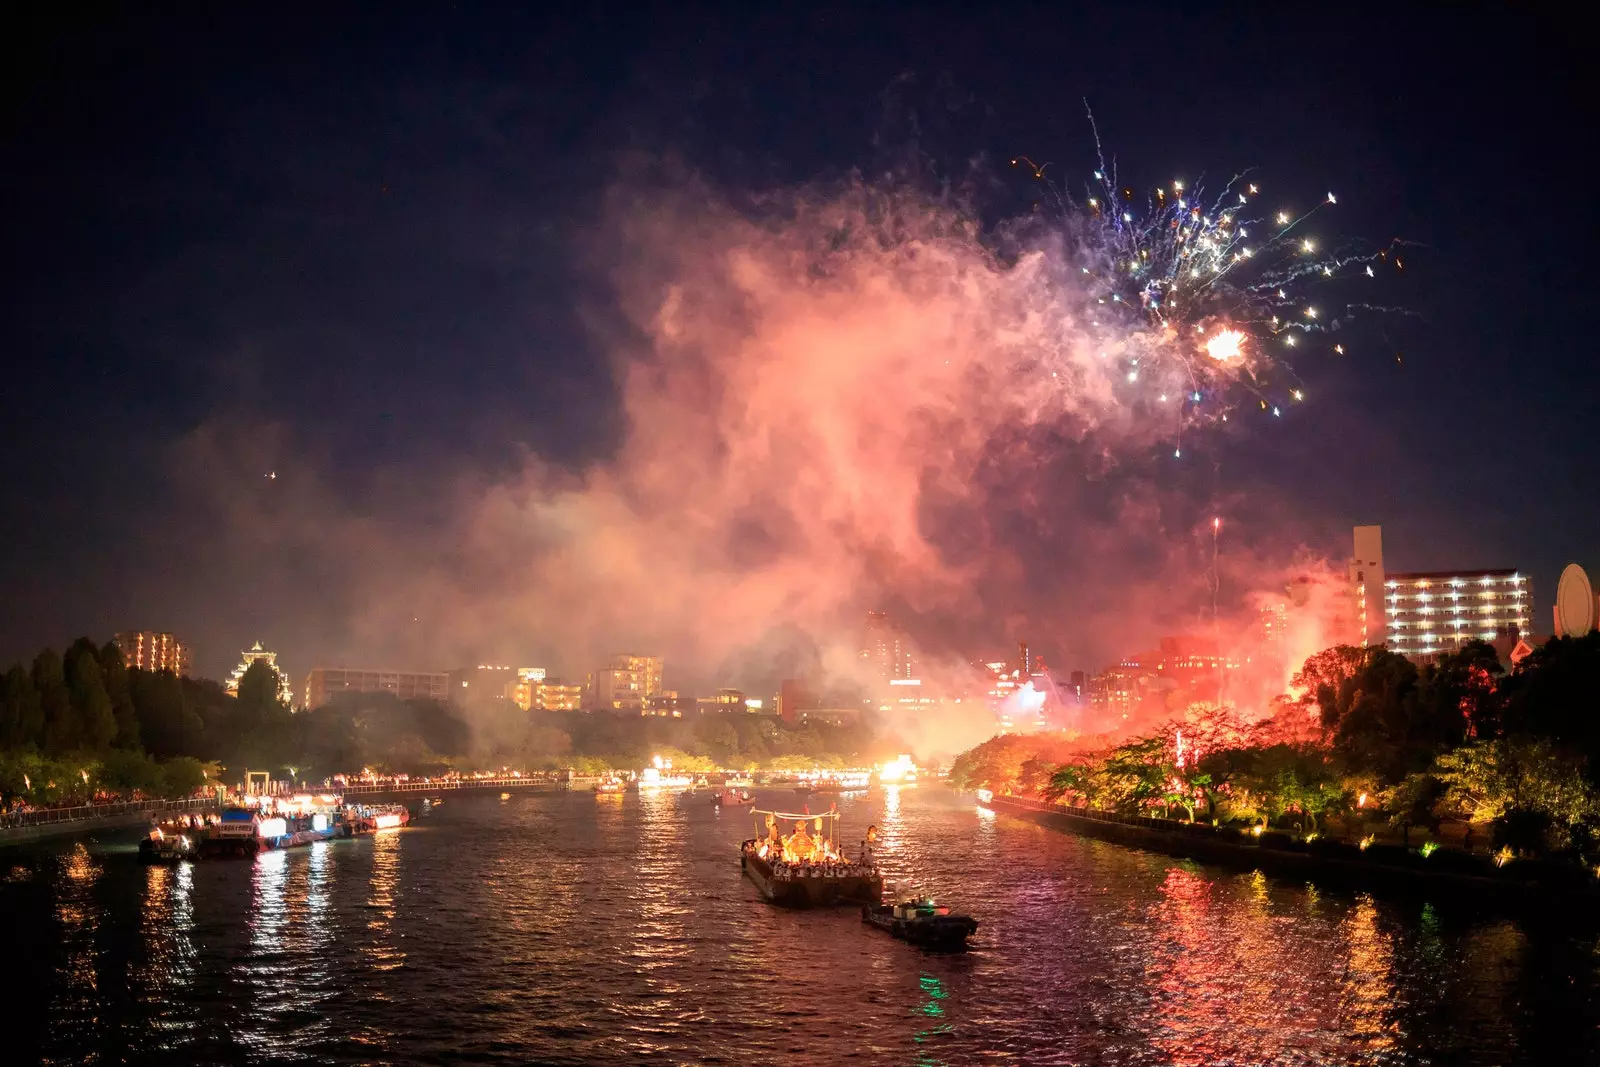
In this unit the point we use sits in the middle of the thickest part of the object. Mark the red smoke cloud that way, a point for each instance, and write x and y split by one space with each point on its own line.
834 399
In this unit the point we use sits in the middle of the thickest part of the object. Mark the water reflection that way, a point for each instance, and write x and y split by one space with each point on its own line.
563 929
74 1006
163 978
1368 982
381 950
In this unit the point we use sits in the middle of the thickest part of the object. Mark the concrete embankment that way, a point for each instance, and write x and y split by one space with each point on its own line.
1413 874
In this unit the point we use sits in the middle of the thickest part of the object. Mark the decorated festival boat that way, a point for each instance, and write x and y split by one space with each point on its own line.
245 832
807 867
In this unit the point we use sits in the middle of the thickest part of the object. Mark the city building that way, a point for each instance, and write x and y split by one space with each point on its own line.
885 648
524 691
1367 586
667 705
725 700
830 716
151 651
256 654
1439 611
794 698
624 682
325 683
1421 613
485 683
555 695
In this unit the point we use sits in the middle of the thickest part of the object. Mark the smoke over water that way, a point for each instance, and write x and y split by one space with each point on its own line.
834 398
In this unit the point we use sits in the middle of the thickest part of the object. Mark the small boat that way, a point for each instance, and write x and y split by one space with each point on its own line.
367 819
505 796
611 787
731 798
922 922
162 847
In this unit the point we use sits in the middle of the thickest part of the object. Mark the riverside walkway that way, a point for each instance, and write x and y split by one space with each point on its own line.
22 826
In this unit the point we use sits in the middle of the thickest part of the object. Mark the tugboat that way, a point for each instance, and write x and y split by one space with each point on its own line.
731 798
807 868
922 922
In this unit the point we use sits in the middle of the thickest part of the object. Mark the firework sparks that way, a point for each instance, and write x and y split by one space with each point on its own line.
1174 275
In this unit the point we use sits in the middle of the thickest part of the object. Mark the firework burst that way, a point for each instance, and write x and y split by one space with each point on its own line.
1191 293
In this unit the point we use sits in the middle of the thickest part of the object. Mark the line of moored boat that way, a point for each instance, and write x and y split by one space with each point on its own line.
267 823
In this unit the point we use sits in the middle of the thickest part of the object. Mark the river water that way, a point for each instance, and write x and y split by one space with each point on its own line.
573 929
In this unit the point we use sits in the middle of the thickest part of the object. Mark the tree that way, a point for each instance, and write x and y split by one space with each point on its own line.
182 777
96 721
1553 695
115 671
1413 802
58 729
21 715
1467 682
1388 721
168 726
1076 782
261 727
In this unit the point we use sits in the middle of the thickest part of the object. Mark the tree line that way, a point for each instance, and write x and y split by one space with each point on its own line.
1366 742
80 725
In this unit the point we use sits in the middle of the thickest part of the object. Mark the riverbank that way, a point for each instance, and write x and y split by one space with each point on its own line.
124 817
1386 870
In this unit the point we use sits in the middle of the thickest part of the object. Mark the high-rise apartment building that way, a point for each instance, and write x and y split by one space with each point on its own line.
1422 613
152 651
325 683
1367 586
885 648
1439 611
624 682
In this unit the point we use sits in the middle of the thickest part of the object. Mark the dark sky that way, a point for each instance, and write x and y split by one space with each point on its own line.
359 228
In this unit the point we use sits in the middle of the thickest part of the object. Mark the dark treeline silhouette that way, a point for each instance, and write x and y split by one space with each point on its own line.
80 726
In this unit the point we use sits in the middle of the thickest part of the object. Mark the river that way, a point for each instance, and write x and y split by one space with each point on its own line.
573 929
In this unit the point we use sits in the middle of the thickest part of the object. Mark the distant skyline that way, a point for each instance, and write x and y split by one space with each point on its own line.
337 335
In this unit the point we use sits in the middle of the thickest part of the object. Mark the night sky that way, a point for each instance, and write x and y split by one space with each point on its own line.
350 246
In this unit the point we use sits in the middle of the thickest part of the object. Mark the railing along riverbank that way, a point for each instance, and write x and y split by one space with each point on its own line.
23 826
450 785
1379 868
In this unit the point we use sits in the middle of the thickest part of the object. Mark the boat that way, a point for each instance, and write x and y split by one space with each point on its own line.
247 831
370 818
922 922
731 798
611 787
163 847
807 868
